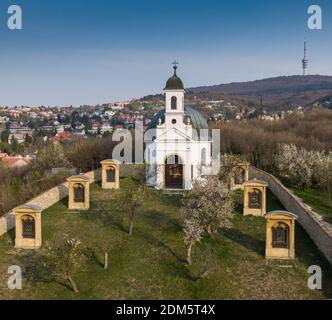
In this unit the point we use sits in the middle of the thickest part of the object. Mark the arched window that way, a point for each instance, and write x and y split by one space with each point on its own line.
28 227
203 157
174 102
79 196
255 199
110 174
280 236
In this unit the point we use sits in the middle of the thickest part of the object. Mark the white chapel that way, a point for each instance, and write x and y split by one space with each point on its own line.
178 145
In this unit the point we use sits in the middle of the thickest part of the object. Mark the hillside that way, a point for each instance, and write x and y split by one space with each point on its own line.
150 264
270 86
281 92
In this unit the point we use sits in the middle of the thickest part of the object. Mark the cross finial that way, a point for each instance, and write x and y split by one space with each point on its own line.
175 66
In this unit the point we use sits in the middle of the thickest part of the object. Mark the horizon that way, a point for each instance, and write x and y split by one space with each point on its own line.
93 53
134 98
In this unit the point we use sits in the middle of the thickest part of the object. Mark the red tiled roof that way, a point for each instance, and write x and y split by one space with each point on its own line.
63 135
12 161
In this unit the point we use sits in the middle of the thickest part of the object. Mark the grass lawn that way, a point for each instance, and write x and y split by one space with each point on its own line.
319 200
151 263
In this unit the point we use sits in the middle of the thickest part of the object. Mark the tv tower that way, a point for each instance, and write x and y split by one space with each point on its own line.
305 61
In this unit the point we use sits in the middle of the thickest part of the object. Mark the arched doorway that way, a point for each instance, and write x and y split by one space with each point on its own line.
173 172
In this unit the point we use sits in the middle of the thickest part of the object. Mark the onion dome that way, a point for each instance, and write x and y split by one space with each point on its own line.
174 82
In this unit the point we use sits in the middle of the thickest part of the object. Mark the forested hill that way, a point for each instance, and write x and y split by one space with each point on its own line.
278 85
279 93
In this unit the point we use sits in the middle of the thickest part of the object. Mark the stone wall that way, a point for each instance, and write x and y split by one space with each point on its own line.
45 200
319 231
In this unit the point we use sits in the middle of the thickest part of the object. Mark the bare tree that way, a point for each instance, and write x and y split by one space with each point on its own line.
131 199
101 226
104 245
65 259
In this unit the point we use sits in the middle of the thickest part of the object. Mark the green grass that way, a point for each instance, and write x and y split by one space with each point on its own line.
318 199
151 263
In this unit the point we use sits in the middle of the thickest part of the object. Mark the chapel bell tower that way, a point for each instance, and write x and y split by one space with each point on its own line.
174 91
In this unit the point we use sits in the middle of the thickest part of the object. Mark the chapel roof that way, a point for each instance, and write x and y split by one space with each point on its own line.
174 82
197 120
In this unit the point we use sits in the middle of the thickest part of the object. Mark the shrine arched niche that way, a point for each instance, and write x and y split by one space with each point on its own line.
110 174
28 227
79 193
255 199
280 235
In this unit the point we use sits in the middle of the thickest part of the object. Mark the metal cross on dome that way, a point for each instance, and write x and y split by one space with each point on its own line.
175 65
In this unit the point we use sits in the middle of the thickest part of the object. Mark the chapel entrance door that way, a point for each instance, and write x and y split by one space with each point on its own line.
173 173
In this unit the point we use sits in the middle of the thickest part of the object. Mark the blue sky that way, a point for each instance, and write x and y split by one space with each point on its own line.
87 52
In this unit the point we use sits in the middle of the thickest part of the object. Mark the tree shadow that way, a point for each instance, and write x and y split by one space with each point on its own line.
245 240
35 267
92 256
307 252
178 270
238 208
98 183
272 202
64 201
102 215
171 200
12 235
155 241
238 202
160 220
